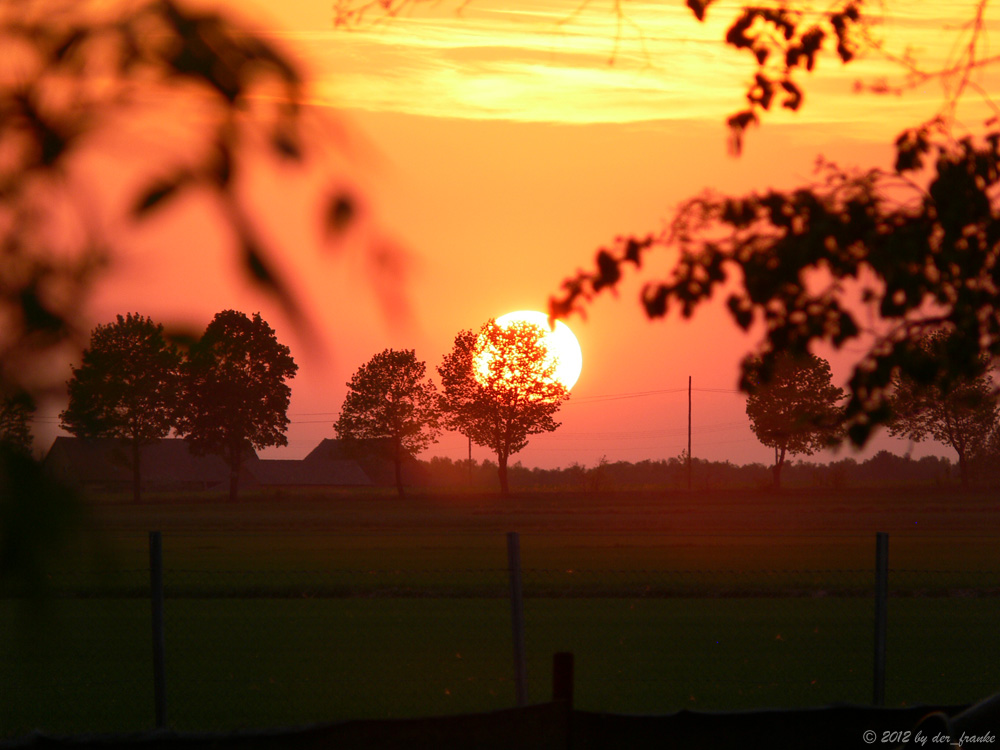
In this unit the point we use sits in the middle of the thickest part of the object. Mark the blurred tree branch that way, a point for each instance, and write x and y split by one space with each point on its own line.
70 72
78 79
875 259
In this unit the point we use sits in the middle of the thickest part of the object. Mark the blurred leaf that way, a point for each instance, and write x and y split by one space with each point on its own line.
286 144
738 124
261 271
255 263
698 7
654 300
158 192
221 165
607 270
69 45
36 313
794 99
340 213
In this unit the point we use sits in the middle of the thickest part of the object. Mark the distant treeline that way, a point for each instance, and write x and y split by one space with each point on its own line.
882 469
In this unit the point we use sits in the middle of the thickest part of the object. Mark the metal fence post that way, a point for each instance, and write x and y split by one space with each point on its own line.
156 597
517 616
881 616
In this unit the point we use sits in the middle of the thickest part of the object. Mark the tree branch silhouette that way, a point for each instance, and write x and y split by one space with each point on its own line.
72 75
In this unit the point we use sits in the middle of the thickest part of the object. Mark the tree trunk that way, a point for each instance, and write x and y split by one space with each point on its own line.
779 461
963 470
398 459
235 457
502 473
136 473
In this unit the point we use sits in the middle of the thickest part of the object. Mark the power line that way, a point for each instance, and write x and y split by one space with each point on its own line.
644 394
54 418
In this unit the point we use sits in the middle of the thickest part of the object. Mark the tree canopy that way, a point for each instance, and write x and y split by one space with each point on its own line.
391 397
960 413
236 393
499 389
795 408
125 388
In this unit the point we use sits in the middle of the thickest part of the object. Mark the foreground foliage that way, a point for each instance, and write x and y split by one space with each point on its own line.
961 417
812 265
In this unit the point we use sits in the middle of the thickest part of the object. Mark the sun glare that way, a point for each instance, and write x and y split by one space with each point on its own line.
561 344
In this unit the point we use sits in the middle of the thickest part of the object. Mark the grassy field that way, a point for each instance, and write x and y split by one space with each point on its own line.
297 608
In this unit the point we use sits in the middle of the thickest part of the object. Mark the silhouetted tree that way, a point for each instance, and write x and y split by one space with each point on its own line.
499 388
930 403
794 408
125 388
235 391
391 397
15 415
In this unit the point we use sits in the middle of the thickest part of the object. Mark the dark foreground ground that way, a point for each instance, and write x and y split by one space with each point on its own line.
291 608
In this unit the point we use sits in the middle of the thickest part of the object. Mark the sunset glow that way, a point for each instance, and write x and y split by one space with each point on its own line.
498 145
560 62
562 346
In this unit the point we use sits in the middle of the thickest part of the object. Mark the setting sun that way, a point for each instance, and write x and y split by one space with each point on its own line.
562 345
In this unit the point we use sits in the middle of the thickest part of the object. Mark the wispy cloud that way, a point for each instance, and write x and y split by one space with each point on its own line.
548 63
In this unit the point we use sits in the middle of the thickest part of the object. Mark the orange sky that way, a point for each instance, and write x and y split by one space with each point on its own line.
501 149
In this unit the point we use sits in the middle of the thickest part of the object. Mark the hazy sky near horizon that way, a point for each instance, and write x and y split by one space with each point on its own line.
499 148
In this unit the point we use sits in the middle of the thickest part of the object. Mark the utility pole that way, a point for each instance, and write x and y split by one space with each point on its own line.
470 462
689 434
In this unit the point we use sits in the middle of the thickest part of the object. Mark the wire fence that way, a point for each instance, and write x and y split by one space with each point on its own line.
281 630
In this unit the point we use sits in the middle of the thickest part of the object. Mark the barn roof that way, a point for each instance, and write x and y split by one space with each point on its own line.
170 461
110 460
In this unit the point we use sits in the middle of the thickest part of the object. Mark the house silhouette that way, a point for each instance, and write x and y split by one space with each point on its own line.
104 464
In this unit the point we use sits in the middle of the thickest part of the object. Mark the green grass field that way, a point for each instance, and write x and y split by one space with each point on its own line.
287 610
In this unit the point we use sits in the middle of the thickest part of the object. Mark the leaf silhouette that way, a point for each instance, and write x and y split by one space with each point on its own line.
339 214
158 192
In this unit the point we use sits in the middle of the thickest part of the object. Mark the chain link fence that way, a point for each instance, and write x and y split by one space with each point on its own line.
287 629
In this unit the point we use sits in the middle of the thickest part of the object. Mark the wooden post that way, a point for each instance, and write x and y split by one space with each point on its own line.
156 597
517 617
881 613
562 678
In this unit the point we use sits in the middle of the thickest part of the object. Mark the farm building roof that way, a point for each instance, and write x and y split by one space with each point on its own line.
170 462
109 460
